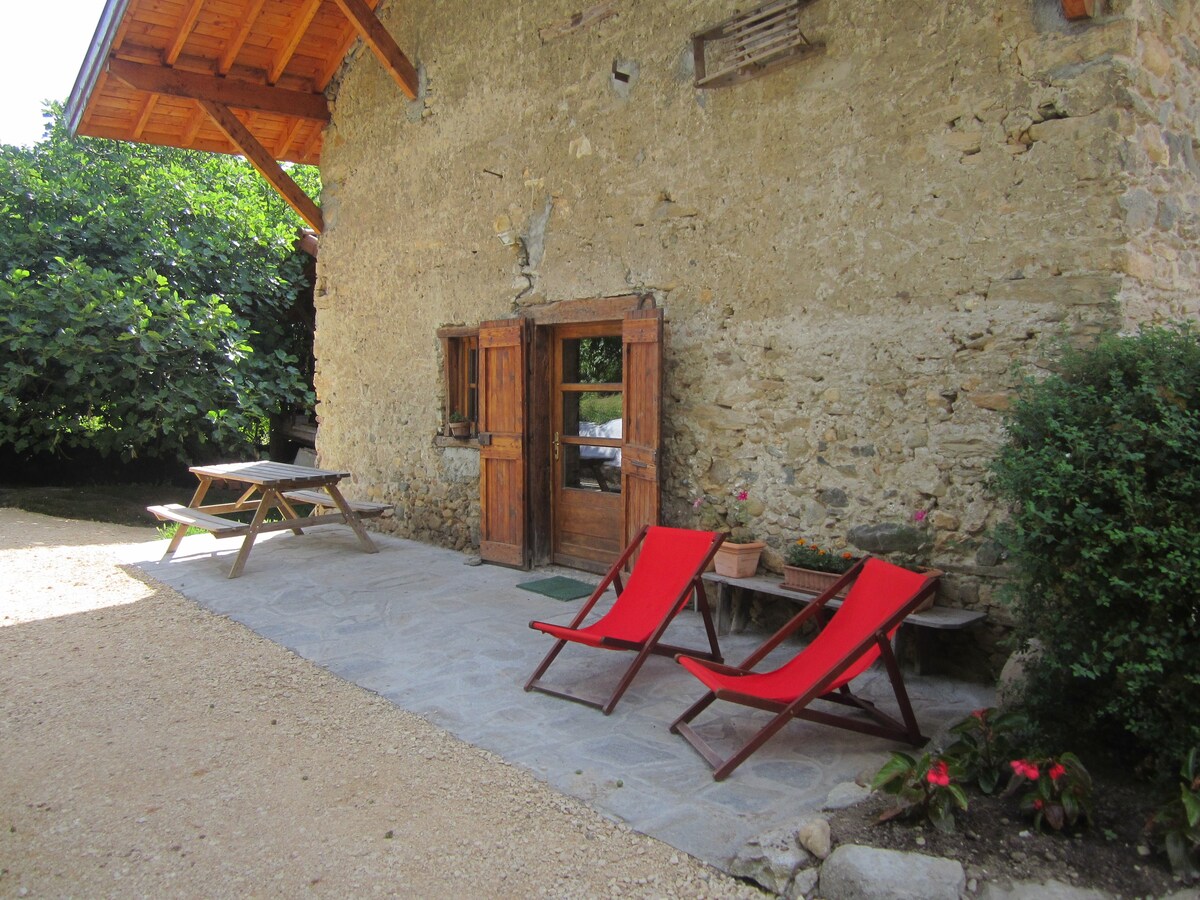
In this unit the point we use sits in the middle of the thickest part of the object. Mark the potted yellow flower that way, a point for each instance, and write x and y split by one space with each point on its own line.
809 567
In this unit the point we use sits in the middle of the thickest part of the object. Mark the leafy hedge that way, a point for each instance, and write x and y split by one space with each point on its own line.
152 302
1102 470
125 366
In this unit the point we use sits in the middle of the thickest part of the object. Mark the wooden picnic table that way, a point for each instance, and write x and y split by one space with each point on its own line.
268 486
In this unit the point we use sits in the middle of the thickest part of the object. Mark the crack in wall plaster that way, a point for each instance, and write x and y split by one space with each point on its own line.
531 248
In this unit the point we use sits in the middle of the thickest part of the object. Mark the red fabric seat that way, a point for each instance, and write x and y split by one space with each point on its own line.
880 596
665 577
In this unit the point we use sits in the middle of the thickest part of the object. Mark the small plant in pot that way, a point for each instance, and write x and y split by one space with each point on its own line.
809 567
738 556
458 426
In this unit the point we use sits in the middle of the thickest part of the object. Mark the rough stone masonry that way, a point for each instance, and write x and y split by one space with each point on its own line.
859 255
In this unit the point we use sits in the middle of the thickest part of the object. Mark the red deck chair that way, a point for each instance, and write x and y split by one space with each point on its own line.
665 576
881 595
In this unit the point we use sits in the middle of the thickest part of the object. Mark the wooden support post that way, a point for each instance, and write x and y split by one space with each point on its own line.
262 160
382 44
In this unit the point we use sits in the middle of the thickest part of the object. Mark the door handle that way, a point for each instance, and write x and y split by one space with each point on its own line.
556 445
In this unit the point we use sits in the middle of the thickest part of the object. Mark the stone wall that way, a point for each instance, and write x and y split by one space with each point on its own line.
1161 201
858 255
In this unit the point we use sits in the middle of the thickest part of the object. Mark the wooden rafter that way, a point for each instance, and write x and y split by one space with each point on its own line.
308 147
235 46
143 115
269 60
185 29
242 94
367 24
299 26
335 61
285 145
262 160
195 122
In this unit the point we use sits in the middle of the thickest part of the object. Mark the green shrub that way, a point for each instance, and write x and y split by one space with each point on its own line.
152 302
1176 824
1102 471
125 367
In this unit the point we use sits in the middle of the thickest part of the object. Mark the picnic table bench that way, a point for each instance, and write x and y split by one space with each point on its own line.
268 486
320 501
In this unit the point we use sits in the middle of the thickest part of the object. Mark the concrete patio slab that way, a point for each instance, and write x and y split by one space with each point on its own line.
451 642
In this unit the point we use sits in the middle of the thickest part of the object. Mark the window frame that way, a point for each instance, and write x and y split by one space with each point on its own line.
460 356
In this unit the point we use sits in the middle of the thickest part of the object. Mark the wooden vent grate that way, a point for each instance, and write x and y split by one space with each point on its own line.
752 43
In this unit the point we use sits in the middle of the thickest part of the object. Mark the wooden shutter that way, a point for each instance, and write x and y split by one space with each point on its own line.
641 333
502 475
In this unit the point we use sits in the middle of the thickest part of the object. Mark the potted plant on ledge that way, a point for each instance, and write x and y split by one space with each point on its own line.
458 425
810 568
738 556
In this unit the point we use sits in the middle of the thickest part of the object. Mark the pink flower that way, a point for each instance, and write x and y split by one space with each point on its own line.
919 515
697 503
1025 768
938 774
742 495
1057 771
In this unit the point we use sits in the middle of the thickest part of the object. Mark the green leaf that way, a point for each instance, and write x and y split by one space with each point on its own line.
959 795
1191 807
898 768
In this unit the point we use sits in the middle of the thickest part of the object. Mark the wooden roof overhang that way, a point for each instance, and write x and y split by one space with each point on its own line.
229 76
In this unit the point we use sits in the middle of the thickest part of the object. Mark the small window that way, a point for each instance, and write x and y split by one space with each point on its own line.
460 348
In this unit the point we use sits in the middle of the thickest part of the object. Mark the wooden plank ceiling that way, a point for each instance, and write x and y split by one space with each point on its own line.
245 77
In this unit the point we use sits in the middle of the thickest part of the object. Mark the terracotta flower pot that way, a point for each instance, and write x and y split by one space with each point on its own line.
738 560
811 581
1079 9
797 578
459 429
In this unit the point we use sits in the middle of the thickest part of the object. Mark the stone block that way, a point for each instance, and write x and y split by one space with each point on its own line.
1048 54
1041 890
815 837
771 860
845 795
1073 290
853 872
887 538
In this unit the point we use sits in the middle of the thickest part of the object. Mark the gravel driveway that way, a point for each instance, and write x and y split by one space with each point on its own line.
150 748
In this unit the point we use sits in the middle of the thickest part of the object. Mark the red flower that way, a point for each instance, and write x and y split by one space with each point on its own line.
1038 803
1057 771
742 495
938 774
980 714
1025 768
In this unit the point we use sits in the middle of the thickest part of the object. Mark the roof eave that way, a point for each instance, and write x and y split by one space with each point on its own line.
94 62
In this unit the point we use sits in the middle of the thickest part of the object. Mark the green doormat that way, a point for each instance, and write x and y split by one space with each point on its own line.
559 588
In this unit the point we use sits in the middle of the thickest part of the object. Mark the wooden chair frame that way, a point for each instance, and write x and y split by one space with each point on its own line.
651 645
883 725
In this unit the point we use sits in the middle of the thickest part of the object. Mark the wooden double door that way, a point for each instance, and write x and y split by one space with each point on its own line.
569 423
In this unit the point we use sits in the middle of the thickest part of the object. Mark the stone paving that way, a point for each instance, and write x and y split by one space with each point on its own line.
451 642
